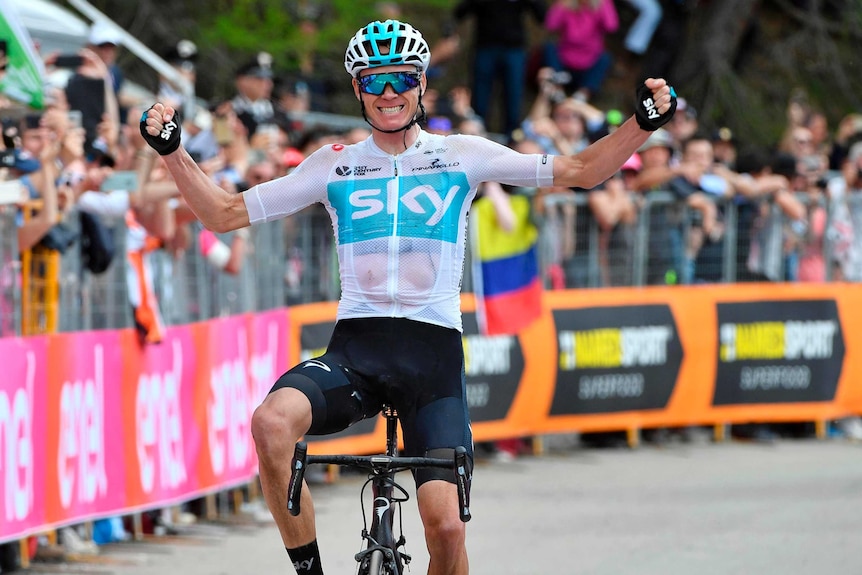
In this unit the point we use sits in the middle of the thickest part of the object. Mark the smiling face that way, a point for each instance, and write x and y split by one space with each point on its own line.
390 110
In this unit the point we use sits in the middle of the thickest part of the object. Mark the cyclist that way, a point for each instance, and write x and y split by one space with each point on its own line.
398 202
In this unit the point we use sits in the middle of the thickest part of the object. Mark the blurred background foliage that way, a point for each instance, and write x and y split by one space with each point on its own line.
738 63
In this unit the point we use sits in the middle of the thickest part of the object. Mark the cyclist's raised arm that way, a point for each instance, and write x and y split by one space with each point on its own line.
599 161
216 208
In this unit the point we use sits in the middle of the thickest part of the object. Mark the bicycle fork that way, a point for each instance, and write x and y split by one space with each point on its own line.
381 535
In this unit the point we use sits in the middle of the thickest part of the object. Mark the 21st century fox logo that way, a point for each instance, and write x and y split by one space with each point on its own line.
355 170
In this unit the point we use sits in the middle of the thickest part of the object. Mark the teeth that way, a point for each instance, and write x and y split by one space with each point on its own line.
392 110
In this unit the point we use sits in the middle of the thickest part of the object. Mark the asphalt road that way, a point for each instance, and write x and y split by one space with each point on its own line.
793 507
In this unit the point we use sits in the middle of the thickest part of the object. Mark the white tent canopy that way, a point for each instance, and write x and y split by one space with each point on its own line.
52 27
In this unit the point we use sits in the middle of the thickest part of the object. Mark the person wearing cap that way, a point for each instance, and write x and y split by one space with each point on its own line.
254 84
183 58
684 124
661 174
562 125
37 167
724 146
398 203
105 40
94 88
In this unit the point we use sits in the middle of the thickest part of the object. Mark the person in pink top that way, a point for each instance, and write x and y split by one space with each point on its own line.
581 27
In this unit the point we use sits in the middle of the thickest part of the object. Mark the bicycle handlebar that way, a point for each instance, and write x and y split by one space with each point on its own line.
378 464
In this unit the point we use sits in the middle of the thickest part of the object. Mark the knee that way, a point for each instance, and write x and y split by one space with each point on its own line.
445 531
280 421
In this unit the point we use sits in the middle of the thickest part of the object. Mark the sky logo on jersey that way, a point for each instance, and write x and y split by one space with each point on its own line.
419 206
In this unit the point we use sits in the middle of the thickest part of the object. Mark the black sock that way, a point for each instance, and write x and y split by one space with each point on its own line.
306 559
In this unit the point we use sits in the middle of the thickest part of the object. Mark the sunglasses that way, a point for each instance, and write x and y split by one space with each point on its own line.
400 81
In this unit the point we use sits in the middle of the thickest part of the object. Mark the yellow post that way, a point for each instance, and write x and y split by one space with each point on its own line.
633 437
24 552
821 428
719 432
238 500
40 283
211 507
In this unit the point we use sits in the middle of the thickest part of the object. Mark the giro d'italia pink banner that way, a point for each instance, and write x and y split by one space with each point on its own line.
93 424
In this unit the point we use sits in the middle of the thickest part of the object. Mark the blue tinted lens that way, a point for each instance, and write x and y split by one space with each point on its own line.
400 82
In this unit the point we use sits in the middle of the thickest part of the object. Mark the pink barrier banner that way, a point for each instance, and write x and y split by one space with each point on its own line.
225 404
161 437
23 435
93 424
84 472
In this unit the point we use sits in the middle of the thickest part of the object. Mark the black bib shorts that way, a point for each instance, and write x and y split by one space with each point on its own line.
416 367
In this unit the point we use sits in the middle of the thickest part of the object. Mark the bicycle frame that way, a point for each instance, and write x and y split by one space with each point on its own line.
382 553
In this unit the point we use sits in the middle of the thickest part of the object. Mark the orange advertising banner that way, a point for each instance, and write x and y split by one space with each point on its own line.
619 359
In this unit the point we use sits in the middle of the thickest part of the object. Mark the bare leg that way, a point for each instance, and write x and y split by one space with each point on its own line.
445 533
277 424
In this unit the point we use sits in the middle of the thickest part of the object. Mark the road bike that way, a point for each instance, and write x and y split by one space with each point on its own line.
383 553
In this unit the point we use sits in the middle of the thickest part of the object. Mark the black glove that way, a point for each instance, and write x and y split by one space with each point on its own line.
168 139
646 112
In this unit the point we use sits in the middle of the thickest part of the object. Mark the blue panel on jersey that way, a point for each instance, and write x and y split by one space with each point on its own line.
428 206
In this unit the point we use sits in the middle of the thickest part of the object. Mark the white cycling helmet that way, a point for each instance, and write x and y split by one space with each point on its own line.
385 44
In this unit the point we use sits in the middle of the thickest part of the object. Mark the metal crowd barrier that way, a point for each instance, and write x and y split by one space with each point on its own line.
293 261
666 245
10 274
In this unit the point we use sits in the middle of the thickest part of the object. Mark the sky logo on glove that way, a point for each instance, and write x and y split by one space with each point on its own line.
168 138
168 130
651 110
646 111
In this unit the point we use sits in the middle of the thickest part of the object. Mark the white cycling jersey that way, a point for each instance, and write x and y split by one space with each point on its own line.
400 222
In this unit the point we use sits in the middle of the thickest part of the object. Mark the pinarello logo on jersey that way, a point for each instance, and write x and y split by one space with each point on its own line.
337 147
436 165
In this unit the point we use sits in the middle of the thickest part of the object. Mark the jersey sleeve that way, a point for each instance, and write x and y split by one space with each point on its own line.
288 194
493 162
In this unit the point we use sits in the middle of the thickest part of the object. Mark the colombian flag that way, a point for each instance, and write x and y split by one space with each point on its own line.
505 269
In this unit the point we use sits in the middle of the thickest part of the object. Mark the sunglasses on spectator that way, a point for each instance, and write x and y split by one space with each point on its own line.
400 81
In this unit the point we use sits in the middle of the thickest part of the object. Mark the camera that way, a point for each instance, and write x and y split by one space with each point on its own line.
560 78
7 159
69 61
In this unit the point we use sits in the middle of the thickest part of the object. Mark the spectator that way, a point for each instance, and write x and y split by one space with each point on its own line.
500 53
684 124
562 125
845 233
293 100
814 267
668 40
32 230
183 58
724 147
666 263
91 91
641 31
581 27
253 101
848 133
105 40
704 248
779 220
616 212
